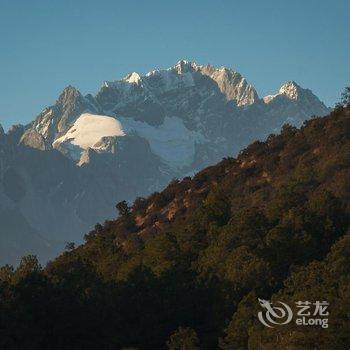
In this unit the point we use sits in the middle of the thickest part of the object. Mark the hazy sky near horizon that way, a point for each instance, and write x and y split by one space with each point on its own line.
47 45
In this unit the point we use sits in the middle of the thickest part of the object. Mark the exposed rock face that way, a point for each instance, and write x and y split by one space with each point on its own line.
55 120
34 139
66 170
232 85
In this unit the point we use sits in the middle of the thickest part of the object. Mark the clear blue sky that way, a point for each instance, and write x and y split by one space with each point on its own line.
46 45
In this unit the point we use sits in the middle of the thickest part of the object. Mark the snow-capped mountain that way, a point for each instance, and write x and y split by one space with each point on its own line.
191 115
85 153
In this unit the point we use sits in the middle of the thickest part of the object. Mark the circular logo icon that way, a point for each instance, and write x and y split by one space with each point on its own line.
274 315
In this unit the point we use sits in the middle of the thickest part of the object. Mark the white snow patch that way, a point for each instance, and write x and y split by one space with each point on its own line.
133 78
269 98
89 129
170 80
171 141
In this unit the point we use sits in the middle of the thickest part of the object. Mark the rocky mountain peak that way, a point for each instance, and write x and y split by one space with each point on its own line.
230 82
57 119
291 89
133 78
232 85
150 89
69 96
184 66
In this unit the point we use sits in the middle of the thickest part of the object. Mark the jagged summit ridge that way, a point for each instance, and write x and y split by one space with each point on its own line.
184 66
55 120
184 74
290 89
204 101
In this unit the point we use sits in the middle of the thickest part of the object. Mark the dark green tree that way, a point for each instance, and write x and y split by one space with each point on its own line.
344 98
123 208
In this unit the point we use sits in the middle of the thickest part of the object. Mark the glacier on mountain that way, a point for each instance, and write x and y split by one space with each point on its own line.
171 141
89 129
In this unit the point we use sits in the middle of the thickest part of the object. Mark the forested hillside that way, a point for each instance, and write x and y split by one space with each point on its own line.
185 267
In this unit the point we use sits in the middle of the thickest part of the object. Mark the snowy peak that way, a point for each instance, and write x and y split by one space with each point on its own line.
198 101
125 84
232 85
186 74
133 78
184 66
290 89
294 104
